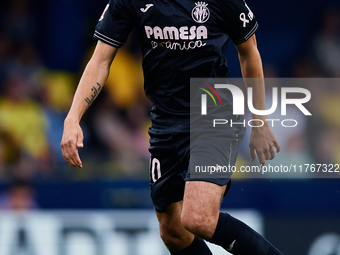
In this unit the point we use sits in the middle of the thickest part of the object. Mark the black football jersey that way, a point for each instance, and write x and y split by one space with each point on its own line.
180 39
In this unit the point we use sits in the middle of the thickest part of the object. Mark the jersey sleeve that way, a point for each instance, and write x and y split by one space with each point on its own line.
238 20
115 23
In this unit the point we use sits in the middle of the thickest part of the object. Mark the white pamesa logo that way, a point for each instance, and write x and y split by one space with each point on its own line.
180 38
171 35
174 33
200 13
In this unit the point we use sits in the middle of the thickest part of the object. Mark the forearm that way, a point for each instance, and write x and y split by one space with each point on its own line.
91 83
92 80
252 72
262 140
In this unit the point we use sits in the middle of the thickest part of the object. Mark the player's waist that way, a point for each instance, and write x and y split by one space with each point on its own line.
167 121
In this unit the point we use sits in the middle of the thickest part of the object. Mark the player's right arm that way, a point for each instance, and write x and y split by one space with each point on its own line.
91 83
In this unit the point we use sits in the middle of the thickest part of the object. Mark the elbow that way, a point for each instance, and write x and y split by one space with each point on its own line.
250 54
99 66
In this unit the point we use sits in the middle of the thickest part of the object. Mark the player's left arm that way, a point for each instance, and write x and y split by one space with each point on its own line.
262 140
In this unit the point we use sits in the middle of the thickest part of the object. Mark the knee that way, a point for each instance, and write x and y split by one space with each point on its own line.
173 237
169 237
202 226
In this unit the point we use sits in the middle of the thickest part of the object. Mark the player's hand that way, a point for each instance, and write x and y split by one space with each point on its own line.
262 143
71 141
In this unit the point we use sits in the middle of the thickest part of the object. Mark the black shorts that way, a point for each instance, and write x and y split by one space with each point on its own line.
170 158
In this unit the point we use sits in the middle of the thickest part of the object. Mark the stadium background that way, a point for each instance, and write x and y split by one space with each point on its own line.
44 46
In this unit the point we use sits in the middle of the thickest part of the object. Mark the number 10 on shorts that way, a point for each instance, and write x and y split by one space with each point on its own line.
155 169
